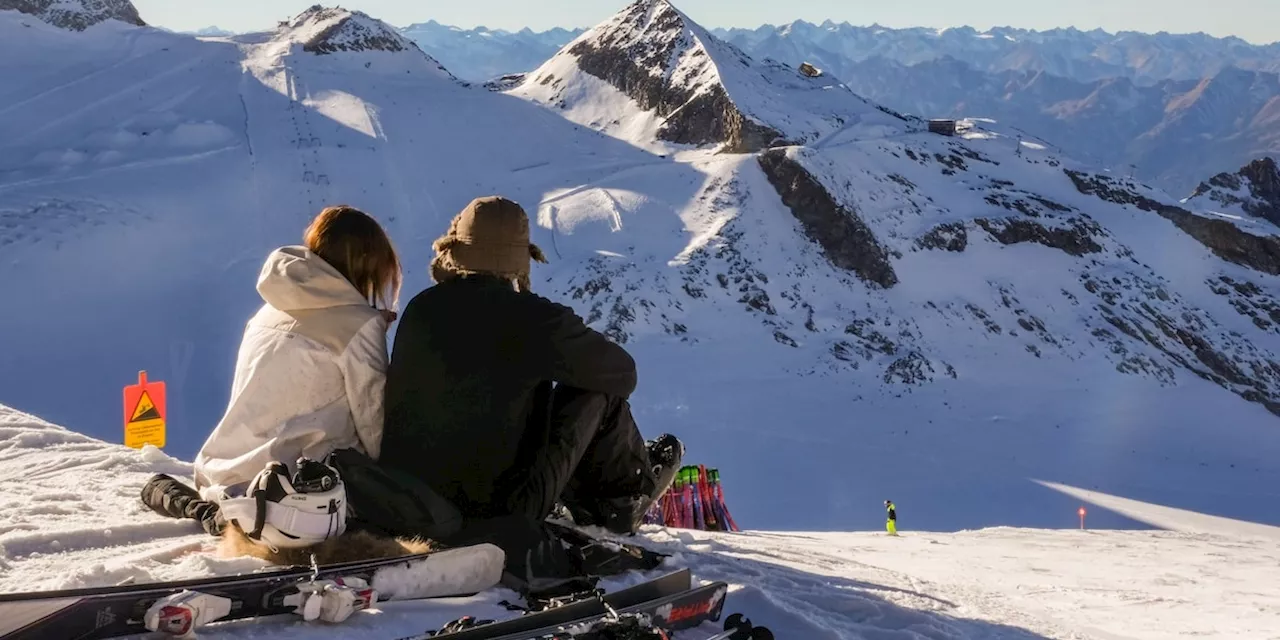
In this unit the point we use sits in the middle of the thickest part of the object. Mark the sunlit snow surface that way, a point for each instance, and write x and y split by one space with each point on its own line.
70 517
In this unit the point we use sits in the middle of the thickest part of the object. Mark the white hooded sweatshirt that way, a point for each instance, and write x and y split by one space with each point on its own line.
309 376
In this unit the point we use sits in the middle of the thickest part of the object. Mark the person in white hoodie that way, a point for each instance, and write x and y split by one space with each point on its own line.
311 368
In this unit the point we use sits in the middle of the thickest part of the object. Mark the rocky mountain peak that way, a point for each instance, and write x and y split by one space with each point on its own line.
325 30
1264 179
703 91
1254 190
76 15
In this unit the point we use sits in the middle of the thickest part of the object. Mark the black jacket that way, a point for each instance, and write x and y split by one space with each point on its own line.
472 363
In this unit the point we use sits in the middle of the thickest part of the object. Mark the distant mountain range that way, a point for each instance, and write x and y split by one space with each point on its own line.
1171 134
482 54
211 31
1169 108
1084 56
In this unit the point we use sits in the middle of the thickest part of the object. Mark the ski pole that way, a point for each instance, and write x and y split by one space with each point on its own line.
689 519
708 500
698 521
724 505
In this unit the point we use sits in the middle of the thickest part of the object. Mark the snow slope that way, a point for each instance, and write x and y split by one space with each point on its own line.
154 219
884 313
1208 578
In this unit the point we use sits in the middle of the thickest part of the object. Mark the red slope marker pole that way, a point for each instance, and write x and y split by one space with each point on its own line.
1082 512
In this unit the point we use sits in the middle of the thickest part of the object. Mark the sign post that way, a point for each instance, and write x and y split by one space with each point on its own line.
1081 512
144 413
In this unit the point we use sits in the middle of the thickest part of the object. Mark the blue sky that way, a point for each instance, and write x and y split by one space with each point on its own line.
1254 20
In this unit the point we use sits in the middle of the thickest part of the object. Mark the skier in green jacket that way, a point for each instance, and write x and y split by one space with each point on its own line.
892 523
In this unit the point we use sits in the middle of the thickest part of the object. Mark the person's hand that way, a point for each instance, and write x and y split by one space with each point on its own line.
388 315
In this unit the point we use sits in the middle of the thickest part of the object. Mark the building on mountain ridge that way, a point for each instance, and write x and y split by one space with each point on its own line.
943 127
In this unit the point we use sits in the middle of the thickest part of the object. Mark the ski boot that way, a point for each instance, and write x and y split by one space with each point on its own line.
666 454
624 516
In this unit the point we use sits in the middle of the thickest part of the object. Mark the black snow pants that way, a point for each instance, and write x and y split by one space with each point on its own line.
172 498
586 453
541 559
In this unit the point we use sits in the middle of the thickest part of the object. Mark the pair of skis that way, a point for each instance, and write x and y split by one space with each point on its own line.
333 592
330 593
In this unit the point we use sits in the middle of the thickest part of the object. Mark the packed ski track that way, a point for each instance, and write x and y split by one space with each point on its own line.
1006 335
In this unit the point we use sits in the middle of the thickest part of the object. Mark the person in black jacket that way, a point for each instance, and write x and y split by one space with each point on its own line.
505 402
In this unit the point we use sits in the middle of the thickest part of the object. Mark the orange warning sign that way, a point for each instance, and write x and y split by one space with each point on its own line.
144 413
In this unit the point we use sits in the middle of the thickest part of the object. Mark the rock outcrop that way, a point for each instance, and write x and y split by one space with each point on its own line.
76 15
327 30
1224 239
1077 238
1253 190
845 239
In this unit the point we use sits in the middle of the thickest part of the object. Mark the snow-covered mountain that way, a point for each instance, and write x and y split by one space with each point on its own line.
868 311
77 15
213 31
1084 56
481 54
690 87
323 30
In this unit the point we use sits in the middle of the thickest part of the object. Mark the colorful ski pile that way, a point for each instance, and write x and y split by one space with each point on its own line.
695 501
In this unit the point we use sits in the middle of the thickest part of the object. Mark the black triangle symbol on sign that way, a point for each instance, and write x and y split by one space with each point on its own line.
146 409
149 414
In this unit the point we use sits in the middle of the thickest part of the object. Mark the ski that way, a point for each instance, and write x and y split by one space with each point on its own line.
109 612
670 602
673 613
